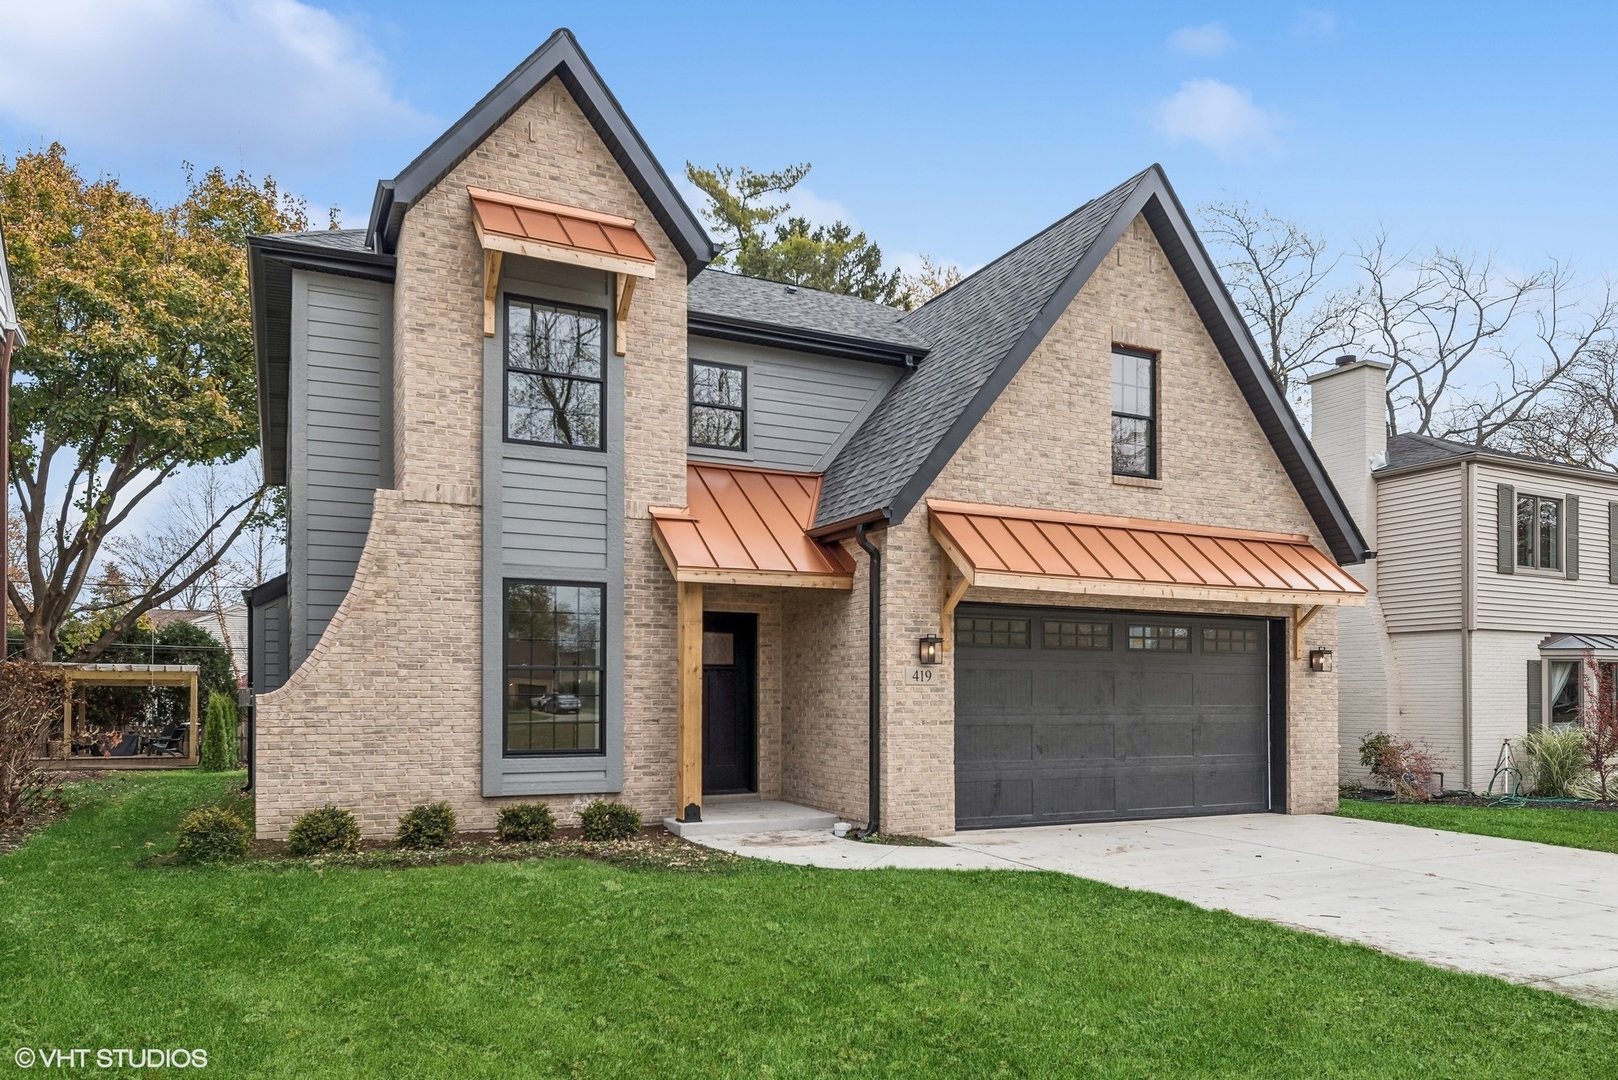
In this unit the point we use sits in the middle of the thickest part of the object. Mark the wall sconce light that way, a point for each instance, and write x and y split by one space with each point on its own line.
1320 660
932 649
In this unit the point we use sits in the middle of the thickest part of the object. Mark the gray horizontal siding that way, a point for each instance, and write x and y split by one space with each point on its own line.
1420 527
801 408
554 514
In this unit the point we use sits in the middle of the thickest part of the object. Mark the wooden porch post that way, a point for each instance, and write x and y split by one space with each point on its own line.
688 767
191 736
67 715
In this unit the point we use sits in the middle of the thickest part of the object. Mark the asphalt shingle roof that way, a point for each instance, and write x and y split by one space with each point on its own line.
770 303
1410 449
340 239
972 327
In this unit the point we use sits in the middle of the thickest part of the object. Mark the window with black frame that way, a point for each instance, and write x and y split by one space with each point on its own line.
718 405
1539 532
1134 414
553 668
555 374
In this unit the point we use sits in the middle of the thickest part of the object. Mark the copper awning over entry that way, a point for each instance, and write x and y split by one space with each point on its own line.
1091 554
745 526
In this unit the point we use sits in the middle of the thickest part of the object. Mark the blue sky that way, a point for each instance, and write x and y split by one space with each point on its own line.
945 129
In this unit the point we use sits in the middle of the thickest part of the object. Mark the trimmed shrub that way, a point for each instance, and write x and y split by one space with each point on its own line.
525 821
327 830
221 748
1558 766
430 825
212 835
609 821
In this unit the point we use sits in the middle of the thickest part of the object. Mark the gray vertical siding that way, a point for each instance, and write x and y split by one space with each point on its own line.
341 445
801 408
270 625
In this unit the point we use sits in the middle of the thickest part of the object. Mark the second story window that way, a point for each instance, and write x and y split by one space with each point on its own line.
1134 414
718 406
555 366
1539 532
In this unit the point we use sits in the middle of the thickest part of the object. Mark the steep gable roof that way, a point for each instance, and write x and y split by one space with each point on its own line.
985 328
559 56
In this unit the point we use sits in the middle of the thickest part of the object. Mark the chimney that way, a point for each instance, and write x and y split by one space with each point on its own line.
1348 403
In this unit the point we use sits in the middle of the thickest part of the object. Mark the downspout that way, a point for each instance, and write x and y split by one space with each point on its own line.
252 703
1469 603
874 691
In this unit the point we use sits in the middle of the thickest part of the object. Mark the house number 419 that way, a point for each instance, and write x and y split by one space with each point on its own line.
920 675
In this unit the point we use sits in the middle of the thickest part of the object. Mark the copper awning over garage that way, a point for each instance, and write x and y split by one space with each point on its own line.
745 526
1092 554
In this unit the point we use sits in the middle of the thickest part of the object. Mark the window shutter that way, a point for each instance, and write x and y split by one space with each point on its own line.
1612 542
1570 533
1506 554
1534 691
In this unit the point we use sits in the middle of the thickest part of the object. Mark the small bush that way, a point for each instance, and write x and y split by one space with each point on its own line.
1405 766
211 835
220 744
328 830
609 821
525 821
430 825
1558 765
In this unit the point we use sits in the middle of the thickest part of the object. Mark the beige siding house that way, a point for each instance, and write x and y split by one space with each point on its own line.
1492 573
575 515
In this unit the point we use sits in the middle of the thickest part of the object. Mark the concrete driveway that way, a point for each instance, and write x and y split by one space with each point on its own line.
1528 913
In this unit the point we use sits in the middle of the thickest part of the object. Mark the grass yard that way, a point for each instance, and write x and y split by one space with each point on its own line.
1596 830
576 968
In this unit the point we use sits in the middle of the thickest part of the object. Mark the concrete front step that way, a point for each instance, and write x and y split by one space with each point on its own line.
752 816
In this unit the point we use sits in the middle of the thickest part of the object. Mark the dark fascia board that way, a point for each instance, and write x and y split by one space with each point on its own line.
559 56
801 340
262 594
326 260
1156 199
271 449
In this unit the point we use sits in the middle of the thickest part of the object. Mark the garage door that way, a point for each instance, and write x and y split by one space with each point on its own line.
1065 716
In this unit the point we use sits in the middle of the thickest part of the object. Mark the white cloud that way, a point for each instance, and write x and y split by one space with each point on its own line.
1314 23
1208 40
277 77
1217 115
806 204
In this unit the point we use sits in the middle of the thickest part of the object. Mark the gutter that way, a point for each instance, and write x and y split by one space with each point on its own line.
802 339
874 784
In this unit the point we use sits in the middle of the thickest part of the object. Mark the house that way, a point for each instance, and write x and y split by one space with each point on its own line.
227 624
1492 574
572 515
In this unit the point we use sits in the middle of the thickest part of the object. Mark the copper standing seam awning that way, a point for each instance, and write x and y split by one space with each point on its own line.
1009 547
513 224
746 526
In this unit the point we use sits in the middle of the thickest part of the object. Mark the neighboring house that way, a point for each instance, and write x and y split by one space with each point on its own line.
228 626
572 516
1488 568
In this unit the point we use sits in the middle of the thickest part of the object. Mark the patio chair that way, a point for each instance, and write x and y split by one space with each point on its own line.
127 746
170 743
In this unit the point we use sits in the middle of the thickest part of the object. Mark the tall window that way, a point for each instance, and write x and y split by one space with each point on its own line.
1134 414
718 406
554 642
1539 532
555 364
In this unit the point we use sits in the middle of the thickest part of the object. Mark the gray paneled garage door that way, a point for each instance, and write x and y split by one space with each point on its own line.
1088 716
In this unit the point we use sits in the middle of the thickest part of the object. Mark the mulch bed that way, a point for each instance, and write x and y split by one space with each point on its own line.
1466 798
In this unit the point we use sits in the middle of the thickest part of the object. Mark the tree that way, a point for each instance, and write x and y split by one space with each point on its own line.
746 208
139 364
933 279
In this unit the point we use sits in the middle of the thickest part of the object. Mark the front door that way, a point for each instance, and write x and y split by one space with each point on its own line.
729 731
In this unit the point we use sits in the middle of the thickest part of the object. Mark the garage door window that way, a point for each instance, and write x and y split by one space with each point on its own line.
1223 639
1160 638
1065 634
1002 633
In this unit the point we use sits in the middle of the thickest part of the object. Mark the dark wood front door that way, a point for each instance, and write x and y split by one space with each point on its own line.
729 730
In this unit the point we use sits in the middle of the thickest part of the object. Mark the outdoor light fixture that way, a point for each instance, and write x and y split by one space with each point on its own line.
1320 660
932 649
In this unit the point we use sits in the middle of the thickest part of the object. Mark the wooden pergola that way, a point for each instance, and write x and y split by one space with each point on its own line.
77 675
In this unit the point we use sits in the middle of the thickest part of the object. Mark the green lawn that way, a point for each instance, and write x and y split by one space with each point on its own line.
1592 829
573 968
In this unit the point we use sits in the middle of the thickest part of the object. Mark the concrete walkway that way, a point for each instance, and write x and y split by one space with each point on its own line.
1528 913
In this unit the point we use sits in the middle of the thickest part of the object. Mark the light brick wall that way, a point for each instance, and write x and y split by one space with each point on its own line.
1047 443
386 712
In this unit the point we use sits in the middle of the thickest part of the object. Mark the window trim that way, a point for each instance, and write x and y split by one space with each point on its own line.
1560 569
1152 464
507 370
691 404
600 668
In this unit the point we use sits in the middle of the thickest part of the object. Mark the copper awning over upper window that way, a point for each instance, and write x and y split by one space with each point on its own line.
745 526
1014 548
543 230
